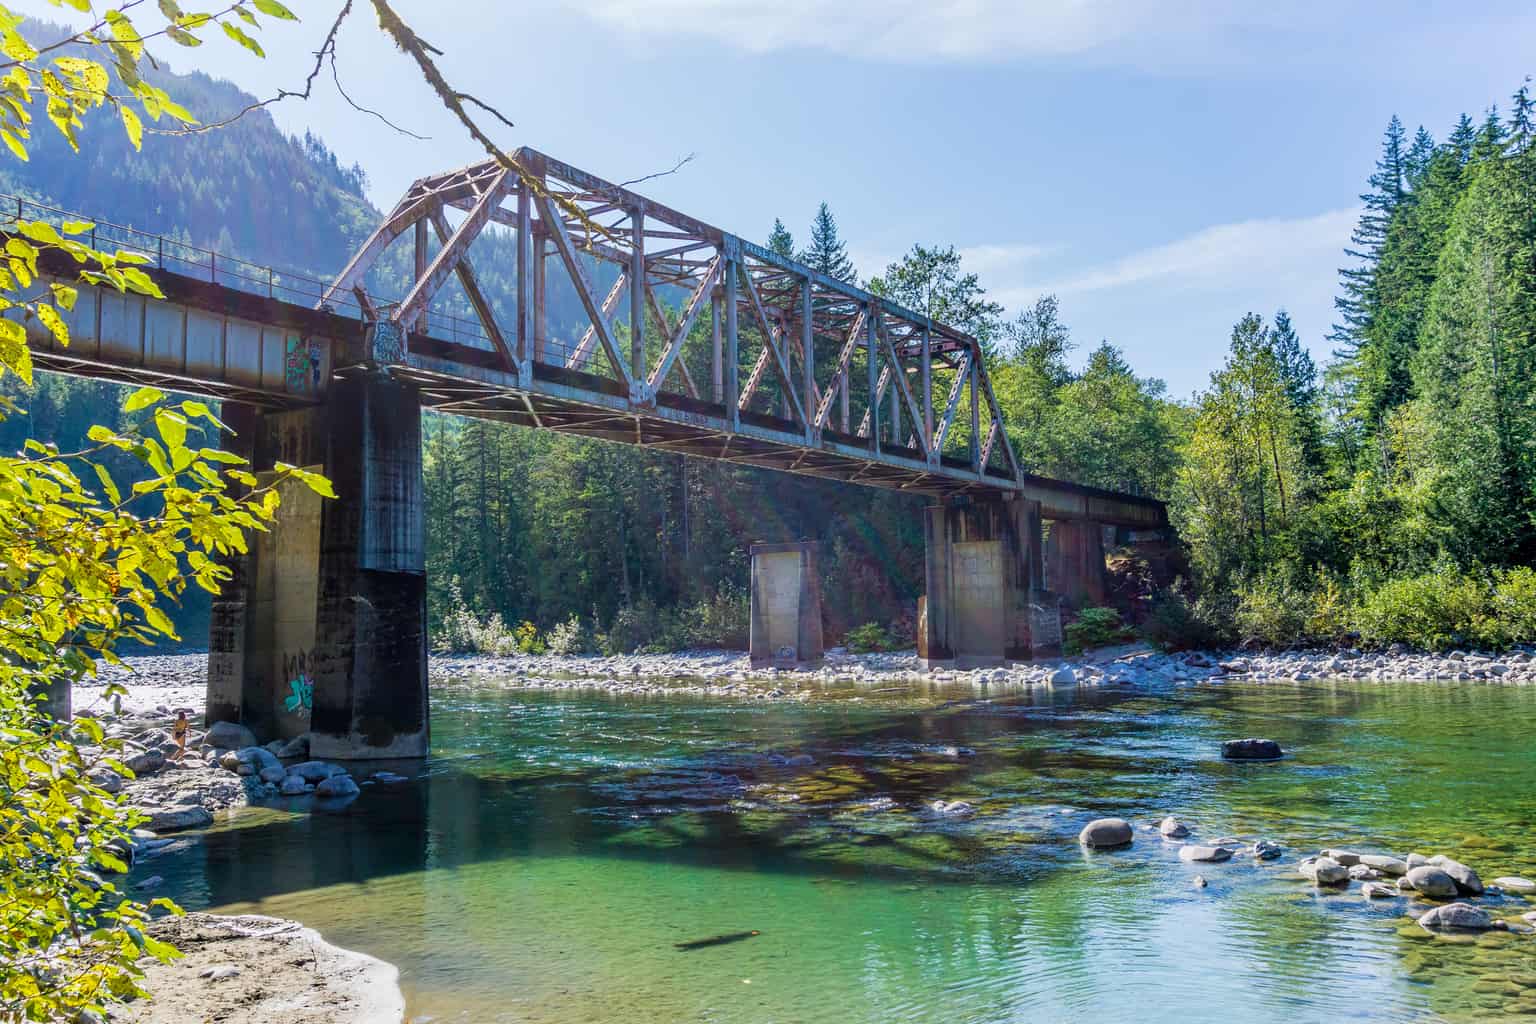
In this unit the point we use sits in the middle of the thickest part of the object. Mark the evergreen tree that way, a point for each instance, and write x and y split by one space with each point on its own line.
1298 376
781 241
827 253
1357 303
930 280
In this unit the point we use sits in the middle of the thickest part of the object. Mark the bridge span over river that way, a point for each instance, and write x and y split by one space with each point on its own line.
694 341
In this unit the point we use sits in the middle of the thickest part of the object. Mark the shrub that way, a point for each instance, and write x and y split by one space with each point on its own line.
568 637
1177 624
633 627
1514 604
868 638
1329 620
1273 610
725 620
463 632
1434 611
1094 627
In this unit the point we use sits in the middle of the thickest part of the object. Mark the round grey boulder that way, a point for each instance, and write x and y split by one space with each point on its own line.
1467 882
1205 854
1346 857
274 774
1267 849
229 736
1430 881
1173 828
1457 917
1378 891
1251 749
293 785
1106 834
1386 865
314 771
1323 870
337 785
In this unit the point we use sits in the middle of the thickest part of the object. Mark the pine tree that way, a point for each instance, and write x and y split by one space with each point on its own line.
1298 375
1462 139
827 253
781 241
1418 158
1358 302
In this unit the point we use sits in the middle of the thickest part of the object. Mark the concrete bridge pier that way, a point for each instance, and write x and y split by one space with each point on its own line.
1074 559
786 606
323 628
985 603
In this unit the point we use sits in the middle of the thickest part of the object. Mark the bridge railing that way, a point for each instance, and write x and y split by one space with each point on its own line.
172 255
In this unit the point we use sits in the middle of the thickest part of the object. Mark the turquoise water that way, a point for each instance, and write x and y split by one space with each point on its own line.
556 849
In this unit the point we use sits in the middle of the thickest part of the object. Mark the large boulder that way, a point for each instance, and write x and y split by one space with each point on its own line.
260 757
1386 865
1251 749
337 786
274 774
1173 828
315 771
1430 881
1346 857
1457 917
293 785
1467 882
229 736
1106 834
174 819
145 762
1323 870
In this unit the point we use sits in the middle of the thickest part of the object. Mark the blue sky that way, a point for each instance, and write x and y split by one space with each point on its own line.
1162 167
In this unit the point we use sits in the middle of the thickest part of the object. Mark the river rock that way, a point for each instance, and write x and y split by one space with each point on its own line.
1345 857
296 747
1251 749
1415 860
230 761
293 785
1063 676
1106 833
274 774
146 762
1463 917
1364 873
1514 883
1467 882
314 771
107 779
260 757
1205 854
1323 870
951 808
229 736
1266 849
1386 865
336 786
1173 828
385 778
174 819
1430 881
1378 891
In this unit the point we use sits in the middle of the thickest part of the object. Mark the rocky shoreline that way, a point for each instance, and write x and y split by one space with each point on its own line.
261 970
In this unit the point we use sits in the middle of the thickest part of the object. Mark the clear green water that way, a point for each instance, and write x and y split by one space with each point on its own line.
556 849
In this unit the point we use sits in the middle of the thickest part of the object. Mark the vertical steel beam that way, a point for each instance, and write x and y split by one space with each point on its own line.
716 344
927 371
872 371
808 356
976 411
637 293
420 326
524 274
842 401
897 380
732 366
540 291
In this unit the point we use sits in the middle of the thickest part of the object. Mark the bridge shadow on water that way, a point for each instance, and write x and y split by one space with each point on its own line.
1034 767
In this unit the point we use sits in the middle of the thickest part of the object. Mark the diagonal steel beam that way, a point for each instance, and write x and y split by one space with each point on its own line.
583 350
680 333
447 258
844 359
466 272
551 218
942 433
779 362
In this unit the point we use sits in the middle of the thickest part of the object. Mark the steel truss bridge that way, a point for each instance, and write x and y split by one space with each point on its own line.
702 343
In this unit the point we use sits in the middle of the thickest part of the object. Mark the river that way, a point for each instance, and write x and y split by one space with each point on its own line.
549 859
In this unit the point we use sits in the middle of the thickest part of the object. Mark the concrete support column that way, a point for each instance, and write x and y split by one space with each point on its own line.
323 628
984 603
1074 552
786 605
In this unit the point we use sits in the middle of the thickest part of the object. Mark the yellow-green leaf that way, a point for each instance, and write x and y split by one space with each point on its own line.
132 125
142 398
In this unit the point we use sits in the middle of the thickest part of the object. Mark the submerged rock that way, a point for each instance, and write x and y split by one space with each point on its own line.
293 785
1378 891
1251 749
1514 883
174 819
314 771
337 785
1173 828
1463 917
1265 849
1205 854
1430 881
1364 873
1106 833
1063 676
951 808
1323 870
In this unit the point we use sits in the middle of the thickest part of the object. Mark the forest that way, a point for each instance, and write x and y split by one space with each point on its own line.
1389 495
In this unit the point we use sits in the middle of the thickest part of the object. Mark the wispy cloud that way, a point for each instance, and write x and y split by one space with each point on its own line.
1173 33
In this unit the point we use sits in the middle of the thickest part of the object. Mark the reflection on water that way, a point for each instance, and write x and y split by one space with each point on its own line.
556 850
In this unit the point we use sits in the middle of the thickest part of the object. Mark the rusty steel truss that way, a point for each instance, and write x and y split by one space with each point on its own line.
703 343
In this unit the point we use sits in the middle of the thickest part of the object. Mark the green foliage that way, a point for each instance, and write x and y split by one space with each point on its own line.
1176 623
569 637
526 639
868 638
1434 611
1094 627
1272 610
929 280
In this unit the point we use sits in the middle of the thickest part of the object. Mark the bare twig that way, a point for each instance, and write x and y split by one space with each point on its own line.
660 174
